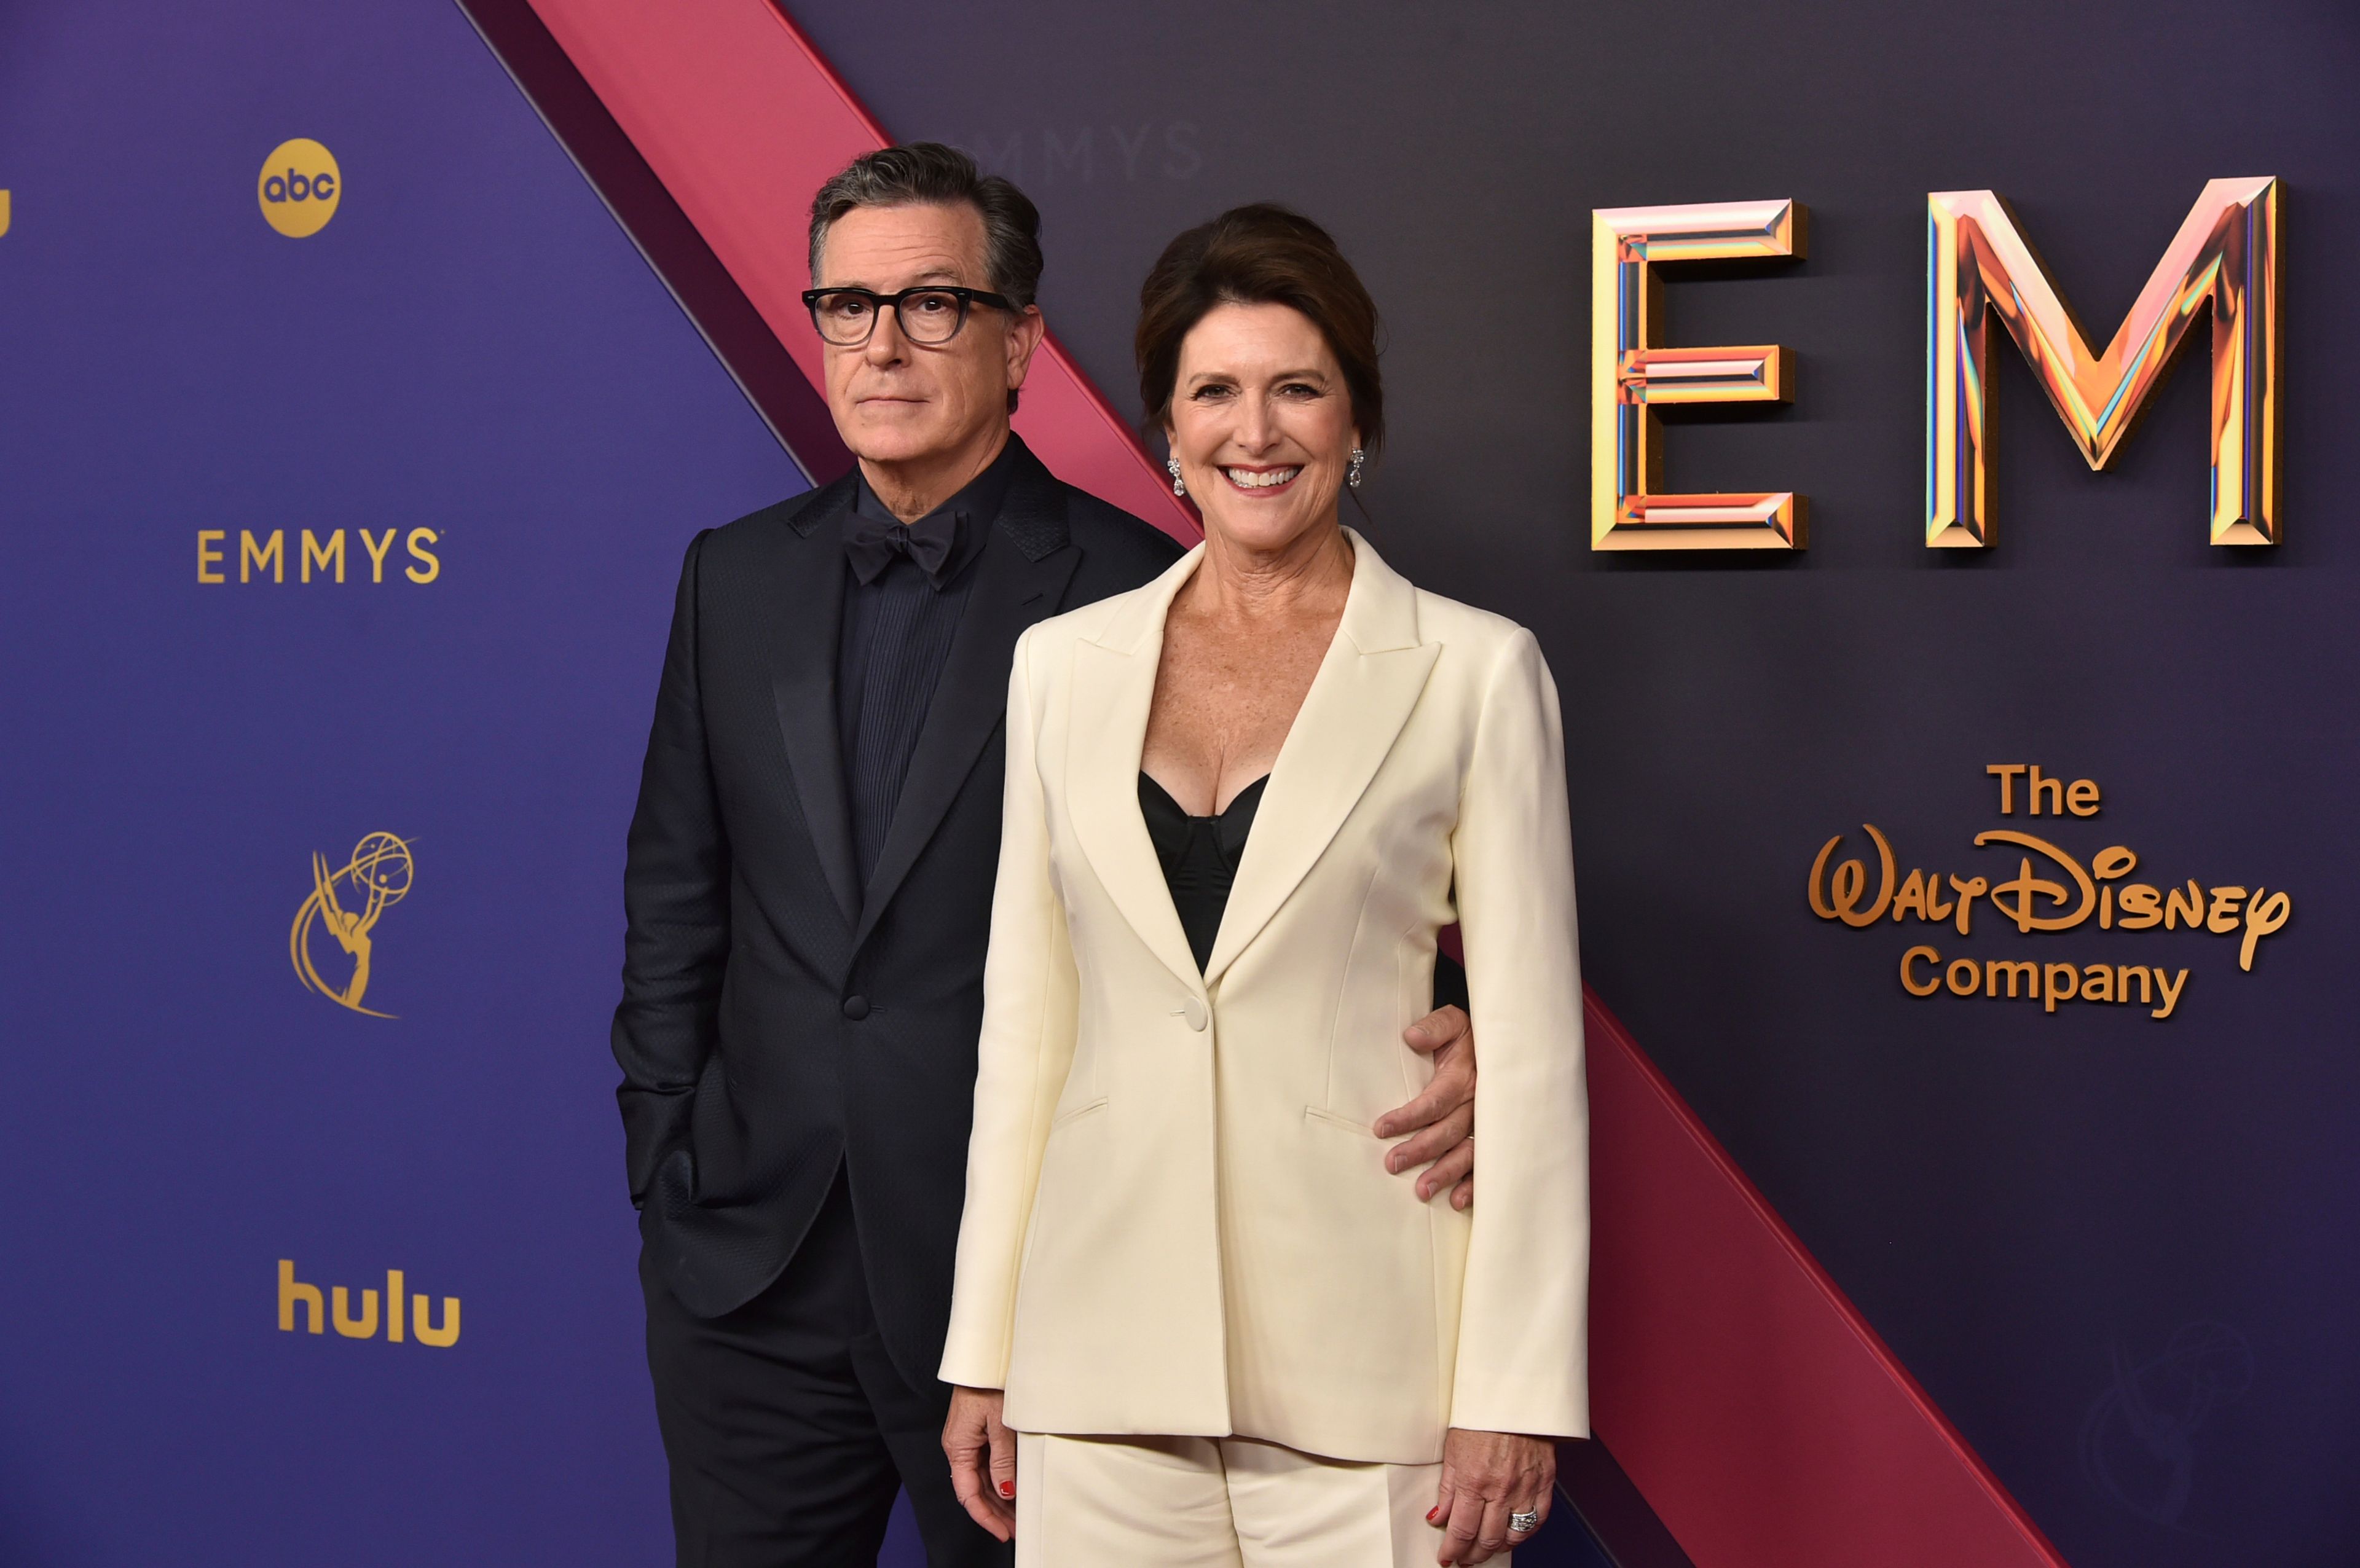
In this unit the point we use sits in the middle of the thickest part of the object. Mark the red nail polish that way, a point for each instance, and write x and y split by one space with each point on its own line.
1432 1511
1008 1488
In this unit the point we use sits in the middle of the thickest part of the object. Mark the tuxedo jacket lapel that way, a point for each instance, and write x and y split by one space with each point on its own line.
1364 692
1021 578
807 621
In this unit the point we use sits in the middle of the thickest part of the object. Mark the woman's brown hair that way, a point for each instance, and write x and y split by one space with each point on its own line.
1259 255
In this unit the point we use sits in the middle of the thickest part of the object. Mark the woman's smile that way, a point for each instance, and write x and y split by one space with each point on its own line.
1261 480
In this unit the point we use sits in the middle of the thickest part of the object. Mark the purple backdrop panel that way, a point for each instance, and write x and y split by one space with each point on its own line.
469 361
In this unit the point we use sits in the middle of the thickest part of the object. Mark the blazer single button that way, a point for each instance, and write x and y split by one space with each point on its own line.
1194 1012
856 1007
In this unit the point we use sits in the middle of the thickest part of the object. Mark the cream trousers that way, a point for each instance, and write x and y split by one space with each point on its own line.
1231 1502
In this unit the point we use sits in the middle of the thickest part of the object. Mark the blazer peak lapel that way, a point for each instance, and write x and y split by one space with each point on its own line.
1113 687
1366 687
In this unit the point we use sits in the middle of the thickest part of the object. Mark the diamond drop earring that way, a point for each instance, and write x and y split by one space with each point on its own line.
1178 488
1353 474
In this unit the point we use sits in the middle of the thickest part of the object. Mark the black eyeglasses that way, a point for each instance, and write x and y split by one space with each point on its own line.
931 316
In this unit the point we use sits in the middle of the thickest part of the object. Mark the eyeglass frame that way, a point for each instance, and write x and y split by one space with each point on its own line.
880 303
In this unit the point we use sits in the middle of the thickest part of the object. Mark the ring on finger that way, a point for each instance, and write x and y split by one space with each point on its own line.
1523 1523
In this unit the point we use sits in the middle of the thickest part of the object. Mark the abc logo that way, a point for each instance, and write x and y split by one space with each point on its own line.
299 188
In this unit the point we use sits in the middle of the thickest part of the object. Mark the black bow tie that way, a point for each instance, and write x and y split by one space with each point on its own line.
873 543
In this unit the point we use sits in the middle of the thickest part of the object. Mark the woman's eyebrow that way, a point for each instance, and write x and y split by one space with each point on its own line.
1307 374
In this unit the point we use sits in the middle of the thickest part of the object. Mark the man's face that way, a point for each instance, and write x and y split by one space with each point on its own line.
896 401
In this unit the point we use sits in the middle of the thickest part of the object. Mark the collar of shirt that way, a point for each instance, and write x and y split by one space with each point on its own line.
971 513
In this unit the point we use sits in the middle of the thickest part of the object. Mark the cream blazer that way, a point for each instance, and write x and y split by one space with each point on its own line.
1177 1220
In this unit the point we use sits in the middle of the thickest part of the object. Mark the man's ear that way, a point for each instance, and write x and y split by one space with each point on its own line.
1025 335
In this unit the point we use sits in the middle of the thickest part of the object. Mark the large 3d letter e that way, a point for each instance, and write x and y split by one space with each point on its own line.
1630 373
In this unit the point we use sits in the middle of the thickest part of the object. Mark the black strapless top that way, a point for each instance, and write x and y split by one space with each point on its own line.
1200 856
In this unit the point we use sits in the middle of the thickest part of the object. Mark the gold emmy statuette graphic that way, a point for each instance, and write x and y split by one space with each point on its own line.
4 212
378 877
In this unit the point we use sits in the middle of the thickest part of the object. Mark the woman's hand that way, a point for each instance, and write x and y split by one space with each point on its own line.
1486 1477
983 1459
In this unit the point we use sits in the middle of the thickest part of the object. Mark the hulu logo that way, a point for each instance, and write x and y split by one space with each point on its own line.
338 1308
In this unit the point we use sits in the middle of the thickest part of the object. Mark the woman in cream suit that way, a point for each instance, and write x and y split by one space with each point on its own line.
1241 803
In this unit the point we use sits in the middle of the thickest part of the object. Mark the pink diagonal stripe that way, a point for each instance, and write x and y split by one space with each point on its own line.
1747 1399
740 118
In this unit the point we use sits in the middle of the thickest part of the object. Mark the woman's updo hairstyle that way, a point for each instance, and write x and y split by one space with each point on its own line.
1259 255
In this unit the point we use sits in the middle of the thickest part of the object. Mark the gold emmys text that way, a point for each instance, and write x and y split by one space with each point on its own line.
266 555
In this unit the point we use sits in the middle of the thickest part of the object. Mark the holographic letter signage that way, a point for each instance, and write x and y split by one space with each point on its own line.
1630 375
1977 265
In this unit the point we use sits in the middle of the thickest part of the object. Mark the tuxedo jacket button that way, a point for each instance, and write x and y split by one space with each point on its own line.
856 1007
1194 1012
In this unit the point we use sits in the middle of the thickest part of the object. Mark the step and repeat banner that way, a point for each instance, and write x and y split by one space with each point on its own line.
347 453
1965 833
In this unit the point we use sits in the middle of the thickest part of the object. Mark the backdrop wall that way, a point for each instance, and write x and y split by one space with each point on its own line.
2116 1249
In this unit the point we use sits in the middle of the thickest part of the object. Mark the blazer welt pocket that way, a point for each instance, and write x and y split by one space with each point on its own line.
1321 1114
1078 1112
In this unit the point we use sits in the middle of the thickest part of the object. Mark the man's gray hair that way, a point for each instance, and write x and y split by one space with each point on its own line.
930 174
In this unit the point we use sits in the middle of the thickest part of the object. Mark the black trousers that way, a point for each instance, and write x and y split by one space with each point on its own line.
788 1428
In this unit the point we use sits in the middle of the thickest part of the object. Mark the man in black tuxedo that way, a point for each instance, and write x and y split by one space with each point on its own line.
809 892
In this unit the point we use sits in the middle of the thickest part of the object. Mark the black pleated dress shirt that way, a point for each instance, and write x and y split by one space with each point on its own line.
898 620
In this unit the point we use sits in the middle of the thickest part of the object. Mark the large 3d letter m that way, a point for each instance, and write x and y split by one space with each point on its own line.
1978 265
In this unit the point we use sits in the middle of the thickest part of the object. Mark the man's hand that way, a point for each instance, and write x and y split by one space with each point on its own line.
1443 1115
982 1453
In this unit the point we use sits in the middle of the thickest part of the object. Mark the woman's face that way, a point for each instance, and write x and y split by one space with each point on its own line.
1262 424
